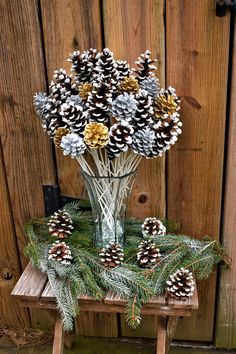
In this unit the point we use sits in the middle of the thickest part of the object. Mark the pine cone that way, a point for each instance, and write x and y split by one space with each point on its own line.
72 145
84 90
60 224
60 132
144 142
167 131
123 69
166 103
96 135
83 64
120 138
106 69
112 255
124 107
153 227
148 255
60 252
145 66
40 101
180 284
74 116
129 85
143 114
99 104
151 85
62 87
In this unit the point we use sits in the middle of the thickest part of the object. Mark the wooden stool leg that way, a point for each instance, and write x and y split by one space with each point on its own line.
161 334
171 327
58 341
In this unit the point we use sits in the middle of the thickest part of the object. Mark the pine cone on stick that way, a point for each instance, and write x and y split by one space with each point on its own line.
98 103
129 84
144 111
120 138
60 132
62 87
166 103
112 255
74 116
148 255
96 135
153 227
60 224
60 252
181 284
123 69
145 66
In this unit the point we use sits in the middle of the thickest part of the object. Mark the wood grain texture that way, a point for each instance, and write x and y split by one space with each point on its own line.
197 63
26 149
10 312
58 340
69 25
131 27
225 336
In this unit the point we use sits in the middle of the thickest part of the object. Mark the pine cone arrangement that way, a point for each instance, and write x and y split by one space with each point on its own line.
85 89
152 227
144 142
72 145
181 284
60 252
129 85
120 138
74 116
124 107
151 85
96 135
145 66
60 224
148 254
143 114
60 132
167 131
166 103
112 255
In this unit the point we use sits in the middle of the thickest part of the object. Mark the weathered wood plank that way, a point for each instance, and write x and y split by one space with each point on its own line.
226 310
161 335
58 341
10 312
26 149
197 63
31 284
131 27
69 25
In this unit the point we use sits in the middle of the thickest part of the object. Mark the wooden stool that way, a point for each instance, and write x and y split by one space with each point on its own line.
33 290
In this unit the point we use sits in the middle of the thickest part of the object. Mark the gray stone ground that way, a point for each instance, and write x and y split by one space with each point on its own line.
103 346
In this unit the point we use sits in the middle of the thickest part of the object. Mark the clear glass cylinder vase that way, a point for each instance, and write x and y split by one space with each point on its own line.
109 200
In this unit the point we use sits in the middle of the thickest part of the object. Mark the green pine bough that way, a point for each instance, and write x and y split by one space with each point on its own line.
86 274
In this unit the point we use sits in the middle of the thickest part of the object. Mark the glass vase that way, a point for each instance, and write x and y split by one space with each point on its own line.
109 199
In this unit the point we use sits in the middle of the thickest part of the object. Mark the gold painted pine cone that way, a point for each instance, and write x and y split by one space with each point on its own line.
129 85
96 135
84 90
167 103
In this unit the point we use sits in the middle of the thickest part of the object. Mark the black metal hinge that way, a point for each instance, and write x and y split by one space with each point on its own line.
53 200
222 6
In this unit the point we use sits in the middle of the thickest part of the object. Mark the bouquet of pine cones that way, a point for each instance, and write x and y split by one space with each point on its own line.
109 110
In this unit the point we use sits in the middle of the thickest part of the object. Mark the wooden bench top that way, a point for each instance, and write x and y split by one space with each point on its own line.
34 290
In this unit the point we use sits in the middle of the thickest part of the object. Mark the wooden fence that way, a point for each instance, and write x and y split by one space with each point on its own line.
193 184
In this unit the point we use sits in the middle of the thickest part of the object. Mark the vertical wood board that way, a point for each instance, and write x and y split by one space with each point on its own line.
225 334
131 27
69 25
26 149
197 64
10 312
